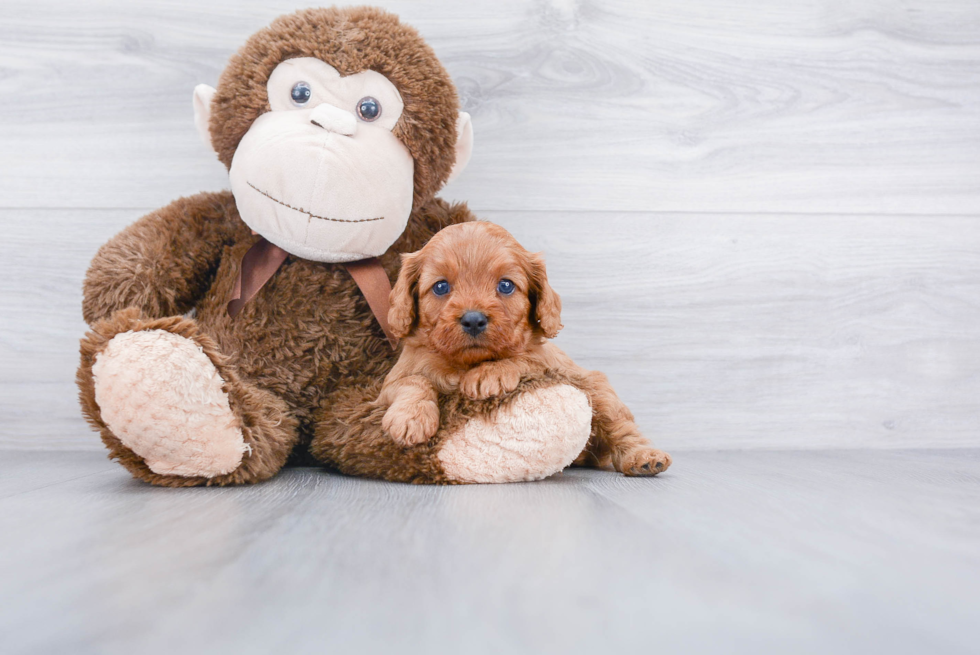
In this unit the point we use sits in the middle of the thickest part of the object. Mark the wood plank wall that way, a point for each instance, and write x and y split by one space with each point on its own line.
762 217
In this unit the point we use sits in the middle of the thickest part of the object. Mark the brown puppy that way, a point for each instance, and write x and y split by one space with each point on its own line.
476 311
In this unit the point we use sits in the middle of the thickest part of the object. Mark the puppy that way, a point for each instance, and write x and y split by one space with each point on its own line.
476 311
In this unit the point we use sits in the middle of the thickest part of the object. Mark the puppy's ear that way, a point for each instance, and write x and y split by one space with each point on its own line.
545 303
403 298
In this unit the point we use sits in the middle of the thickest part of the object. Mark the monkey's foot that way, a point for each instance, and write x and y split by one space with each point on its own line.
537 435
164 399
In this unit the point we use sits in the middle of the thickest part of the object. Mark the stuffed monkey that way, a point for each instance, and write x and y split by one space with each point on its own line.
232 330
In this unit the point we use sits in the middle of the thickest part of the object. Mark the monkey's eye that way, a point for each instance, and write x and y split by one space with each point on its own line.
300 93
368 109
440 288
505 287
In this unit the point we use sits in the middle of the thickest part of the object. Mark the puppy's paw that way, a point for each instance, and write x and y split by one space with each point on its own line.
411 423
644 462
488 380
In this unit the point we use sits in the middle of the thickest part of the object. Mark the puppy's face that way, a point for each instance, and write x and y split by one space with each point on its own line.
473 294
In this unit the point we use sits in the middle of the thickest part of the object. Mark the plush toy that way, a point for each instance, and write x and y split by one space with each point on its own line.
233 330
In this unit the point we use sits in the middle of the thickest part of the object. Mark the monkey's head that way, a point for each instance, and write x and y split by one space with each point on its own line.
334 124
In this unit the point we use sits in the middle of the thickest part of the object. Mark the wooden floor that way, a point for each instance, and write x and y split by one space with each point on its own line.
764 551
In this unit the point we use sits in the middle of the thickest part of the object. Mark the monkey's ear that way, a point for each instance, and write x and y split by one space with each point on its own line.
464 144
545 303
402 313
202 112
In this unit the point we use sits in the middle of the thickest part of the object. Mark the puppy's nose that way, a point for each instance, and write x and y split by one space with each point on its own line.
474 323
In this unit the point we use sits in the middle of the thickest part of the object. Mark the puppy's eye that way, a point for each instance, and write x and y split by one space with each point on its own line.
505 287
300 93
440 288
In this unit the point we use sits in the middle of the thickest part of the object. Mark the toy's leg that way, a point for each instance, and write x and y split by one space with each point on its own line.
173 411
616 438
535 435
349 437
534 432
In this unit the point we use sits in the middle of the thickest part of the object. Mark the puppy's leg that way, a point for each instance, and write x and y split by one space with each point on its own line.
616 439
413 411
492 378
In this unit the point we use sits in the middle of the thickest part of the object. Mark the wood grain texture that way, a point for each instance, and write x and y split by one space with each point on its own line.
763 552
774 106
718 331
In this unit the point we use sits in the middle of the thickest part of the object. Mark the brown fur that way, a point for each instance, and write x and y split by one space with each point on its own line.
439 357
350 40
297 346
304 359
265 420
351 439
307 334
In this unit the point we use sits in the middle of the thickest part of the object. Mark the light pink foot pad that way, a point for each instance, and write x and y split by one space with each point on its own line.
162 397
537 435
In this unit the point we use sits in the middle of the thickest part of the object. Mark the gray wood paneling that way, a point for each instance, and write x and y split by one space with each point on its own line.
676 105
719 331
751 552
763 217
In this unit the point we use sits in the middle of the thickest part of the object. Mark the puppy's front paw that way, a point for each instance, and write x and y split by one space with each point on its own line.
411 423
645 462
488 380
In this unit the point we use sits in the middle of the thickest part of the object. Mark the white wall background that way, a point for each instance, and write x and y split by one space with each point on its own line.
763 217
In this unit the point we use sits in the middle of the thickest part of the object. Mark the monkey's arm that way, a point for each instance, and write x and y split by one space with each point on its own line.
164 262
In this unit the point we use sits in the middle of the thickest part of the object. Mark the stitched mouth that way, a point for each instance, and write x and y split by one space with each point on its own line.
311 214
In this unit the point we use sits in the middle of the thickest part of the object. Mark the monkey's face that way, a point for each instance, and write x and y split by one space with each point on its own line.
321 175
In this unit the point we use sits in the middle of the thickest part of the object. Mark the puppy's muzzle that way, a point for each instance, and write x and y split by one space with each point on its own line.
474 323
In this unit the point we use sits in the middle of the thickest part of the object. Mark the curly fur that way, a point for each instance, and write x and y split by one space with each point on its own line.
304 358
265 421
304 335
350 40
350 437
440 356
